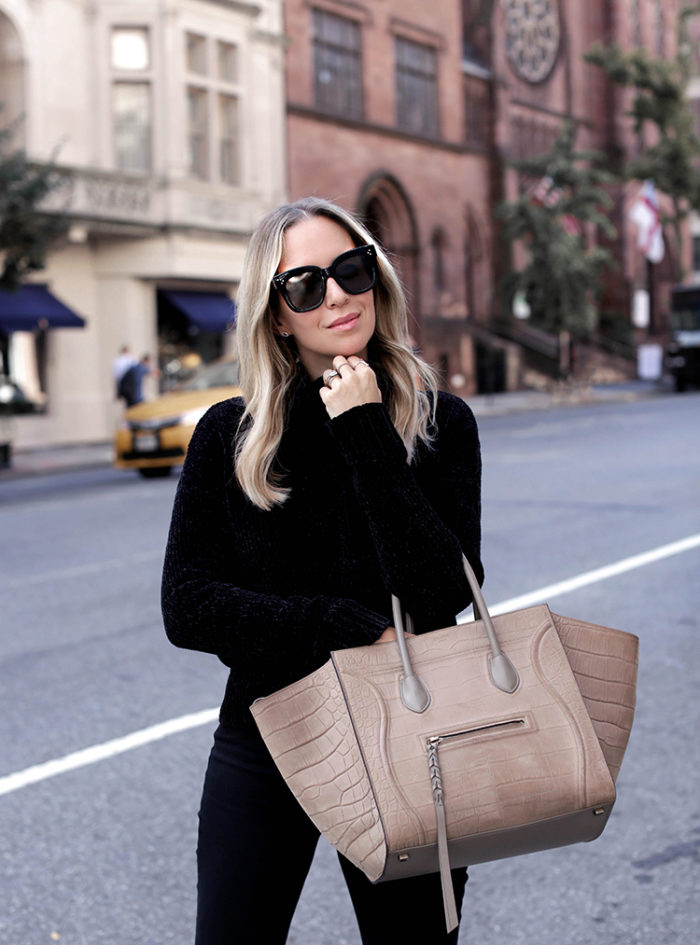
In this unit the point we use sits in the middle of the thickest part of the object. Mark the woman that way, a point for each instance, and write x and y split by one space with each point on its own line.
341 478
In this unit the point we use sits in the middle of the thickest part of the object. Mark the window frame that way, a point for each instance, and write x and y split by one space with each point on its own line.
221 158
138 77
347 98
412 75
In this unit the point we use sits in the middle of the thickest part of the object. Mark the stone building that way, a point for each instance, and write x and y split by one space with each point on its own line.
409 114
165 119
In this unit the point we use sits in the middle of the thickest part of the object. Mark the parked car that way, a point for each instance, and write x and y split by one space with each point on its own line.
155 434
682 356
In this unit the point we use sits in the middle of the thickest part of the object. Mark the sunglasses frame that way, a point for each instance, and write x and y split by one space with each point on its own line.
366 251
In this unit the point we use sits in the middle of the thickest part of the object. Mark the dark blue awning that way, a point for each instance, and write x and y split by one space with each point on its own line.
209 311
32 307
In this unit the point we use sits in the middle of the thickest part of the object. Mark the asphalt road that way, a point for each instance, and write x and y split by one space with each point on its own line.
104 853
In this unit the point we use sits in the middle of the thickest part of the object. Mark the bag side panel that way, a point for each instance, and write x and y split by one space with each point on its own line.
308 732
604 662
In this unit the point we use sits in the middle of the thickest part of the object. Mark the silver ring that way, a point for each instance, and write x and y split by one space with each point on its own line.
362 362
329 376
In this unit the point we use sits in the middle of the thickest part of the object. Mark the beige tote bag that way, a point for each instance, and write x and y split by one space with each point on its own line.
472 743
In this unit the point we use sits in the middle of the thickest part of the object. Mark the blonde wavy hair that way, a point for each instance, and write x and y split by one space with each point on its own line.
268 364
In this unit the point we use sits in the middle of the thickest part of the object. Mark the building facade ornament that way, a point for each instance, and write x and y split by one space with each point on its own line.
532 37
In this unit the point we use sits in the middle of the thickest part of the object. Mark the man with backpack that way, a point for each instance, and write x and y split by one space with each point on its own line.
130 387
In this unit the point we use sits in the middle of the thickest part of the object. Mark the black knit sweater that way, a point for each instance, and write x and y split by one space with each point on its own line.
272 593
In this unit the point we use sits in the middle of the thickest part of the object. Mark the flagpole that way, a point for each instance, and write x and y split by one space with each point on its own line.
651 286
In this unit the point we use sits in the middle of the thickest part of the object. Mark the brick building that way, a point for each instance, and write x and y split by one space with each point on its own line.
409 113
376 121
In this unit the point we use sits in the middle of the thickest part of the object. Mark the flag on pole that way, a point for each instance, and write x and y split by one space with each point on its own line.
645 214
545 192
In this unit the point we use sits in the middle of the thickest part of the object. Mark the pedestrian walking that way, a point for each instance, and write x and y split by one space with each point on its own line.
341 477
130 387
121 364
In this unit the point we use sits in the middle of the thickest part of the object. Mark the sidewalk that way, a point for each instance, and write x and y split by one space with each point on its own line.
42 461
493 405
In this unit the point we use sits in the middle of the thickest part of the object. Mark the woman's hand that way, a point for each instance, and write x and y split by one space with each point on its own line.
350 383
388 635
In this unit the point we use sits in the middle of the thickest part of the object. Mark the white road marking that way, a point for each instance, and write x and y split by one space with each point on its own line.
117 746
598 574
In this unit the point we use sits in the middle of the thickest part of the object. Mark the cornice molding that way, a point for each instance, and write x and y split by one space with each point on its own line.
386 131
351 9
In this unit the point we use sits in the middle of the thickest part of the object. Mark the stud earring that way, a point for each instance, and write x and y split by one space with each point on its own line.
285 334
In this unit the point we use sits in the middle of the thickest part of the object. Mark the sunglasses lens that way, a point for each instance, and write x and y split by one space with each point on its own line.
355 273
304 291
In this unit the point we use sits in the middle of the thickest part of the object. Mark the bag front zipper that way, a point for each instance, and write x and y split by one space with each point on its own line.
432 745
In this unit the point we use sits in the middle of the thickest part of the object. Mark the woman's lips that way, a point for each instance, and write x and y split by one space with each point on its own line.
345 323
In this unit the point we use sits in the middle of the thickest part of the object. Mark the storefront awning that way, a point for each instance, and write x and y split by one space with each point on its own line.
33 307
209 311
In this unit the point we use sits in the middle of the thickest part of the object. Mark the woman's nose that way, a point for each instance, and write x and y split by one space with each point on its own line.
335 295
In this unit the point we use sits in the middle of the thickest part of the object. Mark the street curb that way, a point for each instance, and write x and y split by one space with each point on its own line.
46 462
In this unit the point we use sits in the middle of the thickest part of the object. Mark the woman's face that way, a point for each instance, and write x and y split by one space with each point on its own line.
343 323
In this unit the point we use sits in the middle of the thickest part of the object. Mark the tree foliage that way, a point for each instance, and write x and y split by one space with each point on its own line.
25 232
561 279
663 122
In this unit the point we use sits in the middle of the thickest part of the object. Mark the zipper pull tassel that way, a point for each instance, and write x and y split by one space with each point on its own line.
448 893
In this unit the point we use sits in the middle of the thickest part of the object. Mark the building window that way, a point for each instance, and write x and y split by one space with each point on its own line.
228 138
227 62
130 49
132 120
198 138
694 104
337 65
131 109
416 88
438 244
660 29
213 109
476 113
696 254
11 82
636 24
196 53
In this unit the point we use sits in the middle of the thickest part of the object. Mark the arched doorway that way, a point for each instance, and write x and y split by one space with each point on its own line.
387 212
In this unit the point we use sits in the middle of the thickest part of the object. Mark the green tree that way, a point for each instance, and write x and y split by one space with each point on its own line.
25 232
661 115
561 278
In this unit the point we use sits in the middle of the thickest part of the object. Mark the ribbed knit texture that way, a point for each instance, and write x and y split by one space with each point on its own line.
272 593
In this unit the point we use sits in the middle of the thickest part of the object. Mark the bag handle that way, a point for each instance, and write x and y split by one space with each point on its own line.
414 693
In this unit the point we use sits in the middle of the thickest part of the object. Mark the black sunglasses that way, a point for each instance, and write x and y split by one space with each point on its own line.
304 288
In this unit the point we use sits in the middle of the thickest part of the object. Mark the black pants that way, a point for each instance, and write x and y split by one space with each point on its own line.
255 849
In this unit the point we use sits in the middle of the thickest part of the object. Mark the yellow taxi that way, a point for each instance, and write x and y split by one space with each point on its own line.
155 434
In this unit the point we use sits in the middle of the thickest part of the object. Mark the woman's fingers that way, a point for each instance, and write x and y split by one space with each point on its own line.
349 383
388 635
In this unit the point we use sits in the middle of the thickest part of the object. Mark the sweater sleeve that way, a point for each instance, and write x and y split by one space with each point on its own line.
421 521
268 639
